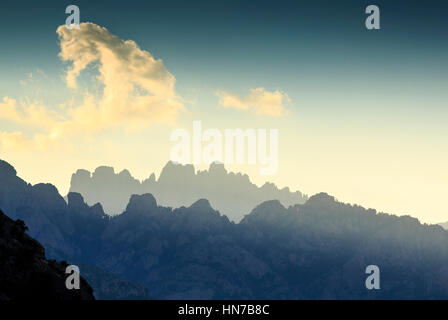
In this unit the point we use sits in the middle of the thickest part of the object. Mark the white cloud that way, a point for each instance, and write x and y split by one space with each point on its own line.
31 114
138 90
260 100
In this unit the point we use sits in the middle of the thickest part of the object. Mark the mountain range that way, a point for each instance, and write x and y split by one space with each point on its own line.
233 194
316 250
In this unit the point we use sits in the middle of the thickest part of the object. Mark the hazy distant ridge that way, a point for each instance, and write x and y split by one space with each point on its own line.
444 225
233 194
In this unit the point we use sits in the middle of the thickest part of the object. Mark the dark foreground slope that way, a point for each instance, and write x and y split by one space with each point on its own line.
316 250
24 271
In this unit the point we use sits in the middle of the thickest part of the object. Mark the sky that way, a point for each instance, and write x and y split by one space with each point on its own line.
361 113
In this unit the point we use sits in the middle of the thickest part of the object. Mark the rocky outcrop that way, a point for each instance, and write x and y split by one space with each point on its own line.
26 274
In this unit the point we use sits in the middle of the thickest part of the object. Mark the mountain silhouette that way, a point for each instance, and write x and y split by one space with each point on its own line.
316 250
179 185
444 225
25 274
63 229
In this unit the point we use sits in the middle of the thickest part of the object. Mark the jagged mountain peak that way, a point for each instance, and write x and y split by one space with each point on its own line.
97 210
321 200
46 188
103 172
6 169
49 194
201 205
270 205
151 179
83 172
217 168
267 211
145 203
75 200
173 171
125 173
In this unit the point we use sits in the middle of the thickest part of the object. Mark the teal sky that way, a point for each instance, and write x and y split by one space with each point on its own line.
368 111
